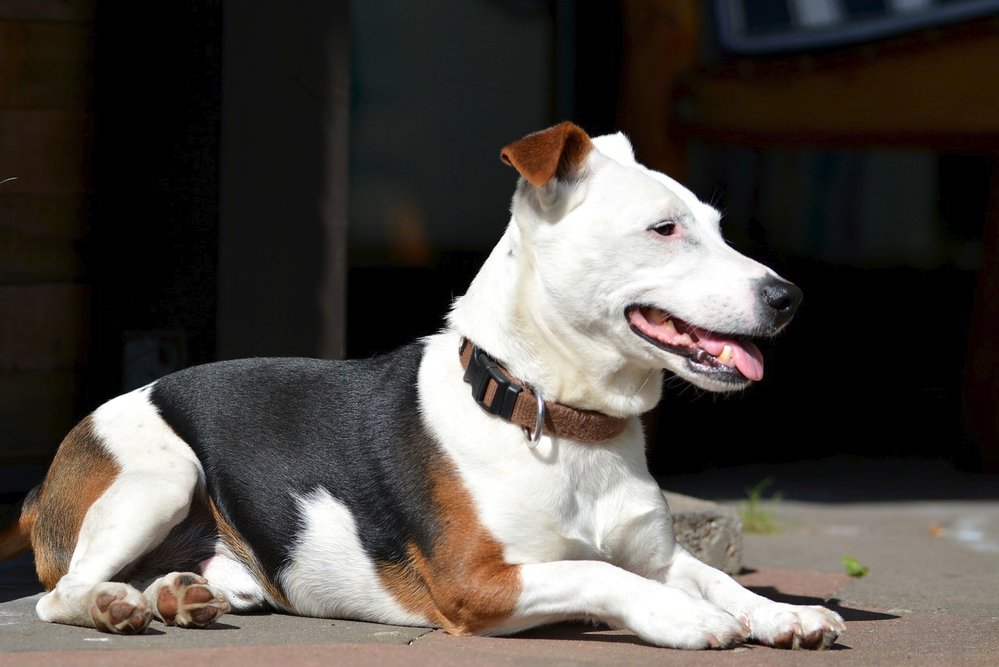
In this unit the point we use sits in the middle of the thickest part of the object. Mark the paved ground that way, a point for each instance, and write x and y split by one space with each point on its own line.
929 535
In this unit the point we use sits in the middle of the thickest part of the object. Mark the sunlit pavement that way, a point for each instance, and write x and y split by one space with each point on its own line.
927 536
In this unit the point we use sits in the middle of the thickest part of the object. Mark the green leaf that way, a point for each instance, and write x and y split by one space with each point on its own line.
853 566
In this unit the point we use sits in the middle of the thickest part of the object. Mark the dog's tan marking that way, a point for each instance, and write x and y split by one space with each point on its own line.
81 472
464 584
244 554
405 583
558 151
16 538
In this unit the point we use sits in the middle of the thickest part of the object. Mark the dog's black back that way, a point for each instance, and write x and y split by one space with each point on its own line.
268 430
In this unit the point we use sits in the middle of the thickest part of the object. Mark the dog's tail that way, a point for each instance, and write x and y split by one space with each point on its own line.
16 525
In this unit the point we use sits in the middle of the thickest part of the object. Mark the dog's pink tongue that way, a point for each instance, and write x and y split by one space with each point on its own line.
745 355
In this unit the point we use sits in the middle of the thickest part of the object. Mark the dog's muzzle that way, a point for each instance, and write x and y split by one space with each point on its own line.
729 358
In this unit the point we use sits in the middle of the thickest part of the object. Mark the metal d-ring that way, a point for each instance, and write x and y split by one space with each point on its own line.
539 425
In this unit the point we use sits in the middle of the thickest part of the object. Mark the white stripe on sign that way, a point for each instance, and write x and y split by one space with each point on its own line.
816 13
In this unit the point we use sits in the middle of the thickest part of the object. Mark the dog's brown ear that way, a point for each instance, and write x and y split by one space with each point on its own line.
558 151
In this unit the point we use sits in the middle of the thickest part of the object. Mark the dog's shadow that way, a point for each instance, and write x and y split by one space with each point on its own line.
833 604
579 631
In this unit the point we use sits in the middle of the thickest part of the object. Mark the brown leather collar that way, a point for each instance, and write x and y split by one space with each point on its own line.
501 394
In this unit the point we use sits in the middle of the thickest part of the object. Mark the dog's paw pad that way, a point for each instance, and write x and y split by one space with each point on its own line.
120 609
812 640
783 640
188 601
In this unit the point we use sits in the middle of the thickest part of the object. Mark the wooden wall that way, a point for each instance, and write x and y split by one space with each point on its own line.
45 140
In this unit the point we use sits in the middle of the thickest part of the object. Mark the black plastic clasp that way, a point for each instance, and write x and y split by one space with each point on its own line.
481 369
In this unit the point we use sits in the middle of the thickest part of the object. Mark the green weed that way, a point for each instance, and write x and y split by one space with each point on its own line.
757 513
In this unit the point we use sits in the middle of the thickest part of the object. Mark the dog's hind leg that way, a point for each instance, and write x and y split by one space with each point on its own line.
120 482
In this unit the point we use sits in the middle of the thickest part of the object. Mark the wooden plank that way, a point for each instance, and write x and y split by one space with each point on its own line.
924 90
980 394
48 10
45 151
41 237
36 258
43 327
37 409
45 64
334 207
661 43
60 216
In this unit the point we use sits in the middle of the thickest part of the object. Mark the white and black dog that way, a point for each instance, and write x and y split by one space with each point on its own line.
486 479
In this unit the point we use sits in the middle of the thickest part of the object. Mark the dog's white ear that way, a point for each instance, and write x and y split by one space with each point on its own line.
558 152
616 147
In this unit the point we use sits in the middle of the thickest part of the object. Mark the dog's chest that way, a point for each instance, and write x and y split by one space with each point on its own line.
558 501
599 509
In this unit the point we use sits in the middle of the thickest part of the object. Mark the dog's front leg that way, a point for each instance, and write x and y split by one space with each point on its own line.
771 623
658 613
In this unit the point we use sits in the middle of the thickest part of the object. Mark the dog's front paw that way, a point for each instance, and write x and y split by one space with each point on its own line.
694 625
792 626
119 608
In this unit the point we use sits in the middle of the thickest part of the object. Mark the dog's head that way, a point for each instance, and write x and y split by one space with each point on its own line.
626 262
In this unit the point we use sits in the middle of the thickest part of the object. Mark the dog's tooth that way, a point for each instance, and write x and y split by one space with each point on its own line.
670 328
683 339
726 356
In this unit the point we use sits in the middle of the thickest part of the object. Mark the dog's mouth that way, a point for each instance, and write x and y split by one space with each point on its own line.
727 358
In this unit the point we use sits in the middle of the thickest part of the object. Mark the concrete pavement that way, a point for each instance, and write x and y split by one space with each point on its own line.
929 536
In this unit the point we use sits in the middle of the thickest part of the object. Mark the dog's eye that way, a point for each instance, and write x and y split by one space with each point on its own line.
664 228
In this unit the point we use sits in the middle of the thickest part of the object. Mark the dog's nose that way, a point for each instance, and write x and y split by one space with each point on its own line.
781 299
781 296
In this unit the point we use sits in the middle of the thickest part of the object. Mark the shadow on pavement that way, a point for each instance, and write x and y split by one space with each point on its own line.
833 604
841 480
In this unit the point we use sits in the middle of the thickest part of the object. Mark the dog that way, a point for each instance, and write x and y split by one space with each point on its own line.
486 479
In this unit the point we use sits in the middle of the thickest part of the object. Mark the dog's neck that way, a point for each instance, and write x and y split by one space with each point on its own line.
506 312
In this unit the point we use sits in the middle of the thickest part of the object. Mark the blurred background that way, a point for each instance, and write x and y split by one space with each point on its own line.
187 181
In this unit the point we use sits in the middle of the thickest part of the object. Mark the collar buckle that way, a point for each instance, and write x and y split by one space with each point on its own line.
481 369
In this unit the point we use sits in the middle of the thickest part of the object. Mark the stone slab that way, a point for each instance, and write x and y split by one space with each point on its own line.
710 531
